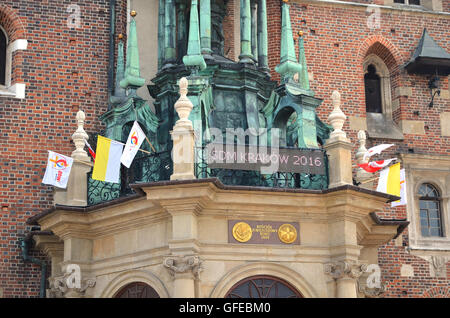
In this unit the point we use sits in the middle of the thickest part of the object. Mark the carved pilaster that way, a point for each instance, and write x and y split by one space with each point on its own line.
183 265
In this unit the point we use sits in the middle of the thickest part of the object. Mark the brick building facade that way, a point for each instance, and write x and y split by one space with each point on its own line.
66 69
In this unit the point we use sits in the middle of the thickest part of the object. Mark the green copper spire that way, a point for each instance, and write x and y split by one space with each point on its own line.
205 26
288 66
262 36
246 33
133 79
194 58
303 77
119 95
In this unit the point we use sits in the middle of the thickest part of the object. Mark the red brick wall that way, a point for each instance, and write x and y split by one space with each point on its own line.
64 70
337 40
228 30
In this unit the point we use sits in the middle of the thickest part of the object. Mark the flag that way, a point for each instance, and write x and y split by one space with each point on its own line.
107 162
58 170
376 150
374 166
402 200
134 142
91 151
389 181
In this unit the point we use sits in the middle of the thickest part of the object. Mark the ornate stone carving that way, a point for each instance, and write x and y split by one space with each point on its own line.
183 264
362 147
79 138
439 266
342 269
183 106
337 117
62 286
371 292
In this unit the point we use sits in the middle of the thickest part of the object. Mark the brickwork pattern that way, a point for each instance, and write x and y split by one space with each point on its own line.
337 40
64 70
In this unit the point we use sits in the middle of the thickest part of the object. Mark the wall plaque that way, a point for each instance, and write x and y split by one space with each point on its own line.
263 232
281 159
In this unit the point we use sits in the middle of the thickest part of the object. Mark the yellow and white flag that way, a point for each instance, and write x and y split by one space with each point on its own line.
107 160
402 200
134 142
389 181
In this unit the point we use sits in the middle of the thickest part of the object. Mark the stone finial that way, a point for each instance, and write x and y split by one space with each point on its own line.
362 147
79 138
337 117
183 106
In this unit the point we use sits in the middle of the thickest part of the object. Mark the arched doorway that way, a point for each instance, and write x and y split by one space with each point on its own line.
263 286
137 290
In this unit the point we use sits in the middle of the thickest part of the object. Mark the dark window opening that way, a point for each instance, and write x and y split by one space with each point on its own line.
372 83
430 211
263 287
137 290
2 58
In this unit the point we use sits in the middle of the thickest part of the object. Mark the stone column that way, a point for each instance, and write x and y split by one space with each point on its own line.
184 270
263 62
338 147
346 275
183 137
76 192
361 174
246 33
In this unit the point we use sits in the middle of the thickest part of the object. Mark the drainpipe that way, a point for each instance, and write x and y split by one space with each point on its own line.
27 258
112 27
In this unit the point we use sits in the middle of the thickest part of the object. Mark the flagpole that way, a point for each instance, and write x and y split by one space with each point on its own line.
150 144
138 149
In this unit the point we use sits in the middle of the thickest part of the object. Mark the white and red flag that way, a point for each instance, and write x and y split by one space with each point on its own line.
374 166
58 170
91 151
134 142
376 150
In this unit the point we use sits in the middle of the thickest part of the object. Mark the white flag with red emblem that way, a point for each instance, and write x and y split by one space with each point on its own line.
376 150
134 142
58 170
374 166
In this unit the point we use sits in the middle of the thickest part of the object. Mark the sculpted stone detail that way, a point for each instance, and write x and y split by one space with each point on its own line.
63 287
342 269
183 264
371 292
439 266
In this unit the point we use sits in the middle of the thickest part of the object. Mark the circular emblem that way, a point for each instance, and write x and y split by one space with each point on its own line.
287 233
242 232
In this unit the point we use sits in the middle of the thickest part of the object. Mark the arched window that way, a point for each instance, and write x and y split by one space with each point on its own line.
430 211
137 290
263 287
3 45
372 83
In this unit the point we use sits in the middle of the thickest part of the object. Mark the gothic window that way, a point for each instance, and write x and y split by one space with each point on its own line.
263 287
372 83
430 211
137 290
3 44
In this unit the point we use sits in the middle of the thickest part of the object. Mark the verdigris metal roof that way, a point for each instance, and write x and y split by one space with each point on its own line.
429 58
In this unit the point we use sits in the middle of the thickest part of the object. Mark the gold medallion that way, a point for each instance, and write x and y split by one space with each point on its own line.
242 232
287 233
